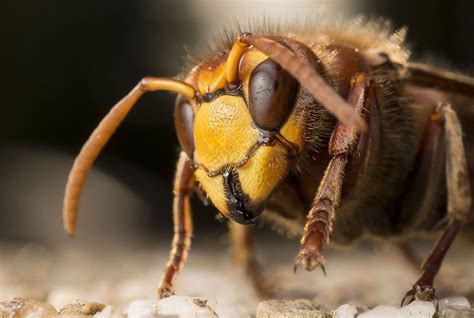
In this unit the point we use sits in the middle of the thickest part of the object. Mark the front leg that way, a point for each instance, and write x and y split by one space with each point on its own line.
183 226
318 226
319 222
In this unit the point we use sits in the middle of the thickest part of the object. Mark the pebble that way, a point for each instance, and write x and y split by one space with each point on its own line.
301 308
451 312
190 307
26 308
184 306
345 311
455 307
82 309
419 309
383 311
454 301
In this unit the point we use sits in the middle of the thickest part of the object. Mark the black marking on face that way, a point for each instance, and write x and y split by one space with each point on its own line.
235 90
238 203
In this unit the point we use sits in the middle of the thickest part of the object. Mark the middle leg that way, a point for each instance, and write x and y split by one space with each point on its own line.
242 239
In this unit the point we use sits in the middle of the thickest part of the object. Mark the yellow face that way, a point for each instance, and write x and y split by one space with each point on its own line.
239 163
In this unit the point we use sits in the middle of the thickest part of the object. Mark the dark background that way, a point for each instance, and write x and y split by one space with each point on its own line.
63 64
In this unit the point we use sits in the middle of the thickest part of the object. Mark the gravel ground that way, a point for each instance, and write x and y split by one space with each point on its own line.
119 275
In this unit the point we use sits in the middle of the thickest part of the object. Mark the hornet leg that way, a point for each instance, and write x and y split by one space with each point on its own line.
183 227
318 226
243 253
459 204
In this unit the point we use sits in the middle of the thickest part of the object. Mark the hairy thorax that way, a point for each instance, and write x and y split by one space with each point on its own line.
379 166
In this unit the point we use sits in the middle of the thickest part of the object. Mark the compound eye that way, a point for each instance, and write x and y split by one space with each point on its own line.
184 122
272 93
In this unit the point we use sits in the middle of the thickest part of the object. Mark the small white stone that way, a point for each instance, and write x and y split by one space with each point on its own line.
345 311
184 306
142 309
455 302
383 311
419 308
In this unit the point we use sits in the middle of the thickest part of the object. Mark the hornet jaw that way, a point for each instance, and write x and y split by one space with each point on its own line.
238 202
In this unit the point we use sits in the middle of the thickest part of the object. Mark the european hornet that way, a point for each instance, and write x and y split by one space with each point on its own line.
331 132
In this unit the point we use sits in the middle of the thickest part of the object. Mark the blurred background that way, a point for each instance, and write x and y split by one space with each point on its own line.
63 65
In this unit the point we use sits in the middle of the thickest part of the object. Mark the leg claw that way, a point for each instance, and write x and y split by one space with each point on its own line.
310 259
165 291
420 292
